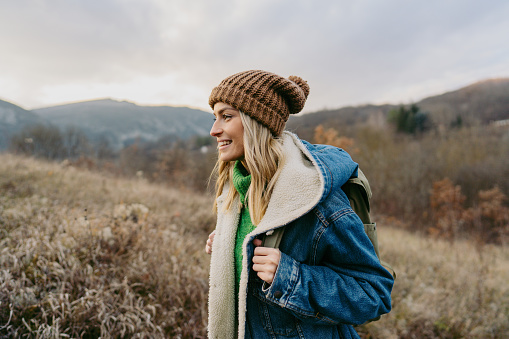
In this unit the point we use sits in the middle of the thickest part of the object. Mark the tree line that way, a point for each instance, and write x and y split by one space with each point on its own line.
178 162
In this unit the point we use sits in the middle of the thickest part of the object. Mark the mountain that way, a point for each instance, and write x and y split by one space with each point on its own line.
483 102
339 119
13 119
123 122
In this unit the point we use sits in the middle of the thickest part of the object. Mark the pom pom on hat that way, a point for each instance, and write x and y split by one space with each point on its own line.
302 84
266 97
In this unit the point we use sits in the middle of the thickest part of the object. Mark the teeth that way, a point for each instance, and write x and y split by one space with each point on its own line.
224 143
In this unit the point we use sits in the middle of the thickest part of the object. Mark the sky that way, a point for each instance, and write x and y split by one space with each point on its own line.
173 52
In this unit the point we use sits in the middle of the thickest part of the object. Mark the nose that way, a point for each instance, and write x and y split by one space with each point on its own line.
215 131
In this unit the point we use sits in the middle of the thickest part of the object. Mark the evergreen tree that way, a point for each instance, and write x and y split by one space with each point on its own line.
409 120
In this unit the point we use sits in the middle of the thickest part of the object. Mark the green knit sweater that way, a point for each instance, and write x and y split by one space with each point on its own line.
241 182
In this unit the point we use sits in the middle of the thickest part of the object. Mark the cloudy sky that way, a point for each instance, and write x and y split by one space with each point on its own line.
172 52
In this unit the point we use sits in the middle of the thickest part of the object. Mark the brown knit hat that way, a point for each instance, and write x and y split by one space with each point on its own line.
266 97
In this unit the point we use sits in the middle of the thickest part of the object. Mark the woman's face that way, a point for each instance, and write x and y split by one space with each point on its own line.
229 132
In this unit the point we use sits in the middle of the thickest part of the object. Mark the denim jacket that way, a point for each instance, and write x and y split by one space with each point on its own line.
329 277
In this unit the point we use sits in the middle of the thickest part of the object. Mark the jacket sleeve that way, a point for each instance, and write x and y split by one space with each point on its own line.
346 285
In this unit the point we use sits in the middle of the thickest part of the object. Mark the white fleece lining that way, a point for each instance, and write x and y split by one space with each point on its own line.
298 189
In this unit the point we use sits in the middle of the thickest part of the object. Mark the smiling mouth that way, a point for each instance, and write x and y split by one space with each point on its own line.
224 143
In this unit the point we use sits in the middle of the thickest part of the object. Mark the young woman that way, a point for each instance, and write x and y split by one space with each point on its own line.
325 275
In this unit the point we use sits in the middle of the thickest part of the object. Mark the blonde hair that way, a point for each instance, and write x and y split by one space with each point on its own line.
263 157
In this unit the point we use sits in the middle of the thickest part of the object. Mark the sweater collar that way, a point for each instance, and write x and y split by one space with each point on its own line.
241 180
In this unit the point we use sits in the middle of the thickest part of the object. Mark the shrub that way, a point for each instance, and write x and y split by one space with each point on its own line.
447 209
331 137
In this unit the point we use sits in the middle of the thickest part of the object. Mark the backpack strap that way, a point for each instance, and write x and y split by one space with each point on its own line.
370 230
273 238
359 193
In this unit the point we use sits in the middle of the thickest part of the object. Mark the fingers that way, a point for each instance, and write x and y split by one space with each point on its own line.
257 242
266 251
265 262
210 241
268 277
266 272
265 259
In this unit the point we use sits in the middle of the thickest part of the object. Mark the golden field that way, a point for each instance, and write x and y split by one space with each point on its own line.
88 255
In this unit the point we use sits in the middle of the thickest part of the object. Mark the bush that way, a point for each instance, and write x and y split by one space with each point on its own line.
47 141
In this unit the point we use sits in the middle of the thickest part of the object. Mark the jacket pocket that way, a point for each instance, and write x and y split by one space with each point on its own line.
276 319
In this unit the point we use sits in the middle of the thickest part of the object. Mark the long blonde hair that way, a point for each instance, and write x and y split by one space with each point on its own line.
263 157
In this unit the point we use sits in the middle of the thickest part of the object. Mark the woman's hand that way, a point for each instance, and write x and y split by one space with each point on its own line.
210 240
265 261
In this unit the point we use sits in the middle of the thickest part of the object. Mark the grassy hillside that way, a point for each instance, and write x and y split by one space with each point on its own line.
89 255
78 258
444 289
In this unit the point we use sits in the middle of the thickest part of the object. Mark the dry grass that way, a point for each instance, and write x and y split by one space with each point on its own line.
444 289
76 262
79 259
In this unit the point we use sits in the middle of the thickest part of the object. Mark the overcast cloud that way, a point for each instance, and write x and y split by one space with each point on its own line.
173 52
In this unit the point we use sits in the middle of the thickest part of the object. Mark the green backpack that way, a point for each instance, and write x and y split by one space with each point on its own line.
359 193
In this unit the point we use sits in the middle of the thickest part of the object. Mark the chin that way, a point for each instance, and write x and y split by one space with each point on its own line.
227 158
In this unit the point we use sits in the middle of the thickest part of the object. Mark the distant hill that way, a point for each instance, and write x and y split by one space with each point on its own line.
481 102
123 122
339 119
13 119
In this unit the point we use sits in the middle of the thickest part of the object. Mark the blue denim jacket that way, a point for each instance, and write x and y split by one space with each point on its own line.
329 277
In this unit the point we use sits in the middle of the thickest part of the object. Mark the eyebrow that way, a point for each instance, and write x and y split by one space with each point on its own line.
225 109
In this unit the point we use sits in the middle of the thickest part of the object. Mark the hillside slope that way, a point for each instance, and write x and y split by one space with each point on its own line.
482 103
13 119
87 255
339 119
123 122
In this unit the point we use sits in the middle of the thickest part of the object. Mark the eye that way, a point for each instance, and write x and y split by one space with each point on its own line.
227 116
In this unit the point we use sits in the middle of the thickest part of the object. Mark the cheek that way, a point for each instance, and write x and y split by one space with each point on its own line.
240 138
239 147
241 144
241 150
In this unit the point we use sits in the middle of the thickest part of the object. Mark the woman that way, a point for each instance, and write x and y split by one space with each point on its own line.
325 276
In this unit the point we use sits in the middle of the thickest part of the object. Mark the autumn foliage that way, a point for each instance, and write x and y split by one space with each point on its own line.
446 203
331 137
488 218
407 174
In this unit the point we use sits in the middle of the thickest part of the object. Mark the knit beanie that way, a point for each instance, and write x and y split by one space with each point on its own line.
266 97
